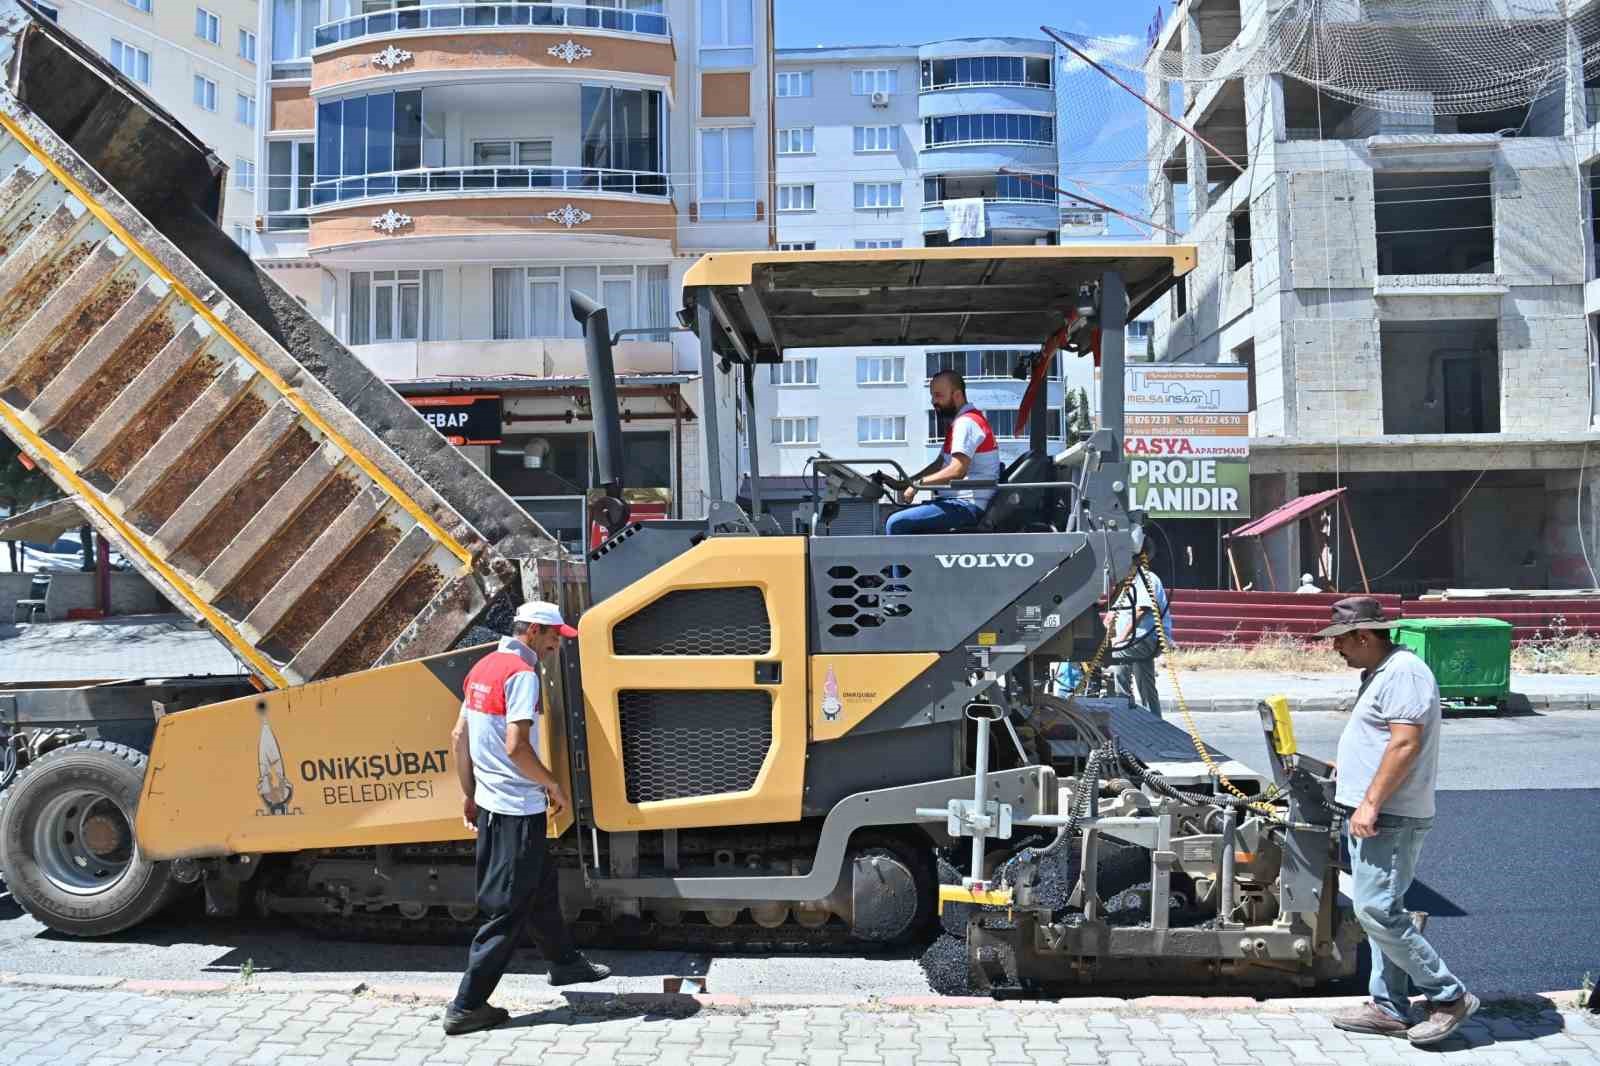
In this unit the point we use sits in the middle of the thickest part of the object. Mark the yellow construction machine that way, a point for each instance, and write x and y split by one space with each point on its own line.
768 735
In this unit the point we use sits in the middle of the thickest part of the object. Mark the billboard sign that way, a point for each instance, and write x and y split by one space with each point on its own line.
1187 439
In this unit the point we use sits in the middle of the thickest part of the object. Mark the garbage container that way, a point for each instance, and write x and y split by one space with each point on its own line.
1470 657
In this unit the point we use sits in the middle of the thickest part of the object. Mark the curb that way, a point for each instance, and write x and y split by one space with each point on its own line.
609 1002
1519 704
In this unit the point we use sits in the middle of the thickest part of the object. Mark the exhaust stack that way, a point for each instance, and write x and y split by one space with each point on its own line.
610 510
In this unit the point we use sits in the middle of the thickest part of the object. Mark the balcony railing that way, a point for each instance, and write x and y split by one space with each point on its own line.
476 16
489 179
1042 199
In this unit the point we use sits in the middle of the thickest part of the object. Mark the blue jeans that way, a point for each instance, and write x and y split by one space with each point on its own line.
1382 868
936 516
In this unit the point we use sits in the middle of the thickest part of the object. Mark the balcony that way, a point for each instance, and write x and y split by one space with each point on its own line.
1011 201
405 19
523 37
424 183
537 357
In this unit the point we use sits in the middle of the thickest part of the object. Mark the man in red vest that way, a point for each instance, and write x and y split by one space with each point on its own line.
507 794
970 452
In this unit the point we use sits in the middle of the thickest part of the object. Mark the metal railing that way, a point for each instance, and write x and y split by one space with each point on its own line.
489 179
1041 199
947 85
477 16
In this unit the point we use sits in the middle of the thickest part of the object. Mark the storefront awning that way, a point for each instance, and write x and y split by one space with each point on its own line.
1278 517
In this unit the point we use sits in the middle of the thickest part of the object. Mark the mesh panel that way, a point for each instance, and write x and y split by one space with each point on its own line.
692 742
697 622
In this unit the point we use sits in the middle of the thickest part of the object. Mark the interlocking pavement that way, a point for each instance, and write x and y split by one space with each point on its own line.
254 1025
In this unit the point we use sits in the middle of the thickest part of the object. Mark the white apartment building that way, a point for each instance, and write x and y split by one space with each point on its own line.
199 61
440 178
871 142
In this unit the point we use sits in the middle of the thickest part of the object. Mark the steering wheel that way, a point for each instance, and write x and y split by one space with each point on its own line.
847 479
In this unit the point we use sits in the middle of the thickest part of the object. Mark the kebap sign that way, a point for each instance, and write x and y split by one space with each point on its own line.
1188 440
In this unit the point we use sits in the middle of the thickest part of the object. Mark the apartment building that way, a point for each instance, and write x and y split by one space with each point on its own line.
441 178
871 144
200 62
1416 298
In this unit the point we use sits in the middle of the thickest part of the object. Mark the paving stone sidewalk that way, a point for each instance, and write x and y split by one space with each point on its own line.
47 1026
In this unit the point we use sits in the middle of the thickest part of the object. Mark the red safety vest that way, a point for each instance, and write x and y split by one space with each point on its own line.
485 687
989 444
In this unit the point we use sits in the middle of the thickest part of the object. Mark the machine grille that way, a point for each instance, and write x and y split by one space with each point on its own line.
726 621
860 601
692 742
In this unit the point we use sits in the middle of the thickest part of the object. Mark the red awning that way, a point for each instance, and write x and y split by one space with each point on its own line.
1278 517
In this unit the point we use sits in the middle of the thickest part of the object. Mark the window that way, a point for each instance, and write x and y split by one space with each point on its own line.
802 371
880 370
241 236
207 26
244 110
988 129
879 242
140 5
877 138
532 301
294 24
797 246
289 177
536 153
877 195
799 140
1038 188
1003 423
794 430
205 93
879 80
728 173
794 83
986 70
797 198
726 23
1240 222
244 174
1180 298
247 45
133 62
880 429
396 305
976 364
1438 222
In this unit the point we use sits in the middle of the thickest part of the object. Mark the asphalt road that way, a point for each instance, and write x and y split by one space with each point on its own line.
1508 875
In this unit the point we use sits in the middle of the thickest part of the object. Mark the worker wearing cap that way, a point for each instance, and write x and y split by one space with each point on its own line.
507 793
970 452
1387 768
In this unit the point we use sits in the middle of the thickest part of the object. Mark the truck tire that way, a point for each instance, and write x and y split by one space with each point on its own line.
67 849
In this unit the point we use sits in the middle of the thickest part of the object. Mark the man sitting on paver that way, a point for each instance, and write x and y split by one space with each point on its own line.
1388 765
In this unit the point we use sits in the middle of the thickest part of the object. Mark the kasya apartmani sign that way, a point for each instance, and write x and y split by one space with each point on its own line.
463 419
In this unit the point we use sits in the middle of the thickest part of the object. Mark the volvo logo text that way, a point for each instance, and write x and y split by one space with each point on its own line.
985 561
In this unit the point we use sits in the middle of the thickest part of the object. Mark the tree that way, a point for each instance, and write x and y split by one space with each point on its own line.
1081 420
21 487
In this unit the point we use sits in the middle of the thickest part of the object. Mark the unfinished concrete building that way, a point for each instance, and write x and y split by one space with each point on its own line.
1416 296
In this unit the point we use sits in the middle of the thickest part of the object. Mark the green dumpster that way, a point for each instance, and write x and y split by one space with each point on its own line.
1470 657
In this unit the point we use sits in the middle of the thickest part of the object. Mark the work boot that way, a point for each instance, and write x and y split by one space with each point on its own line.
458 1021
1443 1020
1371 1019
577 971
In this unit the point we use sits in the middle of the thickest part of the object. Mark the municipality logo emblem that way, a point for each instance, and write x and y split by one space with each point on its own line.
272 777
832 705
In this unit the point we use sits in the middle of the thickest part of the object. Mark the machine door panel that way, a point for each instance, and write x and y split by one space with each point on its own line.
694 682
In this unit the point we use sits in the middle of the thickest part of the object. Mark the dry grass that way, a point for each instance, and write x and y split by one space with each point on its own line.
1274 653
1561 650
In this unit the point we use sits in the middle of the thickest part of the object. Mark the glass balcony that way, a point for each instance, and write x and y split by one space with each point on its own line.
406 18
468 179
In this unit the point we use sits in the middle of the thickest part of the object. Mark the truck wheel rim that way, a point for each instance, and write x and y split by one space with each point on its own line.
83 842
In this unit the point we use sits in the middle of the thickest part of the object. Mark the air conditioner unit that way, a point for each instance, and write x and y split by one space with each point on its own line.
880 99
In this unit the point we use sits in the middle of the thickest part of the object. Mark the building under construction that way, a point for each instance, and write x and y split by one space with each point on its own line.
1411 281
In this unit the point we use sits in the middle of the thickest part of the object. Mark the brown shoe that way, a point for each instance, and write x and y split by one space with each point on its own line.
1443 1020
1371 1019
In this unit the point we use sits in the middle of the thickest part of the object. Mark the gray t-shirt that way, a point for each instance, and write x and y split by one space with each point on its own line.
1399 689
499 786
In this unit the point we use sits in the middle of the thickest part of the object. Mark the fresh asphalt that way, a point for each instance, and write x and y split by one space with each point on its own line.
1508 875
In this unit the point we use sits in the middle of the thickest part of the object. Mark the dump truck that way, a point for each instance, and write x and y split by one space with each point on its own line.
769 737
